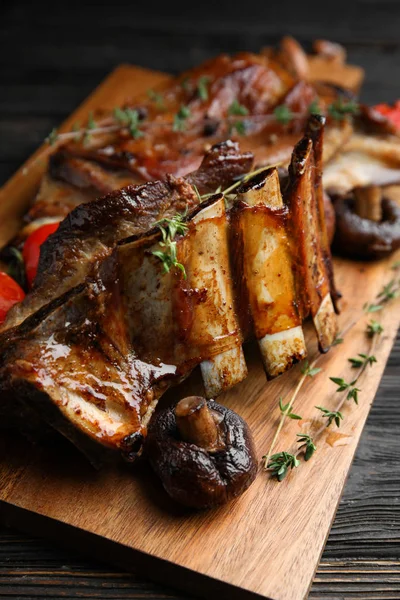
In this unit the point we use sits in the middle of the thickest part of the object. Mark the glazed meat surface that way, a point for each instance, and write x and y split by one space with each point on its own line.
93 361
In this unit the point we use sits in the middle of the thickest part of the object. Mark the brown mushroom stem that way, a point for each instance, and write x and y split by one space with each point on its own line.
197 424
368 202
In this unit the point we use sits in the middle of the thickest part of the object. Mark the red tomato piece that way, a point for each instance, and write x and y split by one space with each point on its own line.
392 113
10 294
31 250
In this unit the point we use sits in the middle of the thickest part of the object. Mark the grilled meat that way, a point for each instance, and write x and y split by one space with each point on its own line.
95 360
223 98
91 231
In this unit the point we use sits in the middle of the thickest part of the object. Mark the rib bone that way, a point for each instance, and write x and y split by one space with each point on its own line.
314 284
267 268
209 268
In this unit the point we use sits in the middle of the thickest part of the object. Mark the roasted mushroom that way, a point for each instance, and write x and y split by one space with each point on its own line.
203 452
367 224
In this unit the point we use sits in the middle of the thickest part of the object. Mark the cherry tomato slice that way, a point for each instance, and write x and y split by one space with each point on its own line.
31 250
10 294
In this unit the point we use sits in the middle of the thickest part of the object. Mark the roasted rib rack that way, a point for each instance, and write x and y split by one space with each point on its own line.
93 360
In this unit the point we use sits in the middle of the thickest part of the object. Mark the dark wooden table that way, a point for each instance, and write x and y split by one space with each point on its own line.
51 57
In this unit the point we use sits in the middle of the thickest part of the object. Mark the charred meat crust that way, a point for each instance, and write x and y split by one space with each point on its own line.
315 131
193 476
91 231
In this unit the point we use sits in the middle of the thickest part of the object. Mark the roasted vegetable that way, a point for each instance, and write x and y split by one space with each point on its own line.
203 452
367 224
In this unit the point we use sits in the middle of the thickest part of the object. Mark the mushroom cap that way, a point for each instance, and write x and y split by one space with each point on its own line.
356 237
193 476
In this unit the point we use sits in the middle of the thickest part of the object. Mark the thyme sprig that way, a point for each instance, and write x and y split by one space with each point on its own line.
285 410
288 407
283 114
308 371
373 328
280 463
237 117
307 444
335 415
202 87
389 291
342 109
361 360
180 118
157 98
352 391
130 119
169 228
237 110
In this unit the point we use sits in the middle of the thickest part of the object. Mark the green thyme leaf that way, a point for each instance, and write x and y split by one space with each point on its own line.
341 109
309 371
237 109
169 228
314 108
283 114
202 87
331 415
52 137
306 442
374 328
280 463
180 118
157 98
91 122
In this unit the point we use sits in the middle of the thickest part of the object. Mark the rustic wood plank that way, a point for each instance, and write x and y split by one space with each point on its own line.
55 486
64 52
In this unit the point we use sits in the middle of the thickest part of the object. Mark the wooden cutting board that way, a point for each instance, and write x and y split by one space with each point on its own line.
265 544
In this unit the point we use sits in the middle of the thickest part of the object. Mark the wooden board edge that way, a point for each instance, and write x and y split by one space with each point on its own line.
119 555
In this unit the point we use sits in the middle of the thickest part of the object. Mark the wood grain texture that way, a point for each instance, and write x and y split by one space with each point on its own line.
238 545
50 60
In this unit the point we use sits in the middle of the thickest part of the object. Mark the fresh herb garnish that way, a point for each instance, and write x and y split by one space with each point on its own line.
331 415
202 87
343 385
169 229
239 126
283 114
52 137
341 109
180 118
374 328
185 84
389 291
91 124
285 410
314 108
371 308
362 360
157 98
280 463
307 443
130 119
309 371
238 110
